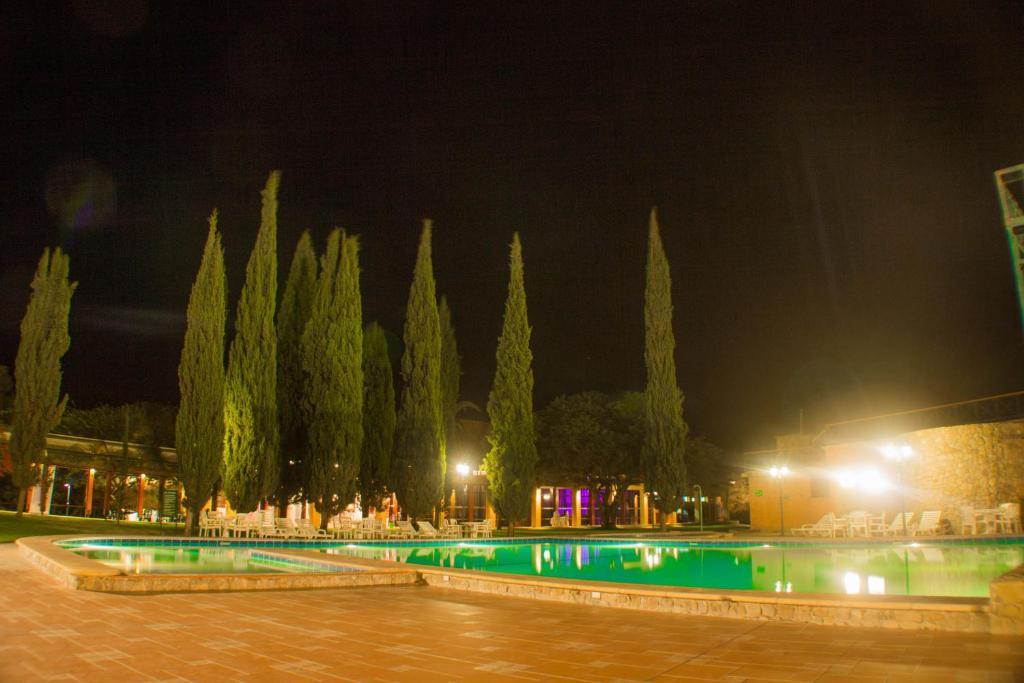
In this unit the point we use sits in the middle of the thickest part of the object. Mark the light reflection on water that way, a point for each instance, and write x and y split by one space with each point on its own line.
875 569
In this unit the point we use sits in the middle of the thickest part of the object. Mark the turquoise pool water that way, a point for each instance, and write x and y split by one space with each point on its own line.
187 560
936 569
939 568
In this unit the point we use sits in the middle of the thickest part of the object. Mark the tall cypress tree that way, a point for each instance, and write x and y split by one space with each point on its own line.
511 461
665 432
378 416
420 461
251 440
199 428
292 316
451 371
332 361
38 405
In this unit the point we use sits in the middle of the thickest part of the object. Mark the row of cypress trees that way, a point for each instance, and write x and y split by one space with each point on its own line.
319 422
333 408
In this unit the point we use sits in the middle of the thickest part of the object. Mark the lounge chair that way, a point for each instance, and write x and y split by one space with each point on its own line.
404 529
427 530
898 522
304 529
210 524
826 522
928 525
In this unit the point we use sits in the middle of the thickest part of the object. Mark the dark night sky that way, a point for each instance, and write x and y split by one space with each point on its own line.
823 173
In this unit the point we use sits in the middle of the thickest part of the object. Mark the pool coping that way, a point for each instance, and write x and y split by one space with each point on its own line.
1001 613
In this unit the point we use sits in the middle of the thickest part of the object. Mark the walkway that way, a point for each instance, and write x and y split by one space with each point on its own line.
50 633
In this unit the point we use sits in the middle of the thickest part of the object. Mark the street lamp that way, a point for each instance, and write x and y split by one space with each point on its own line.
700 505
67 504
899 455
780 473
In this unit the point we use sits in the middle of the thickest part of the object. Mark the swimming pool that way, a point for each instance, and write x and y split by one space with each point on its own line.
921 569
949 568
190 559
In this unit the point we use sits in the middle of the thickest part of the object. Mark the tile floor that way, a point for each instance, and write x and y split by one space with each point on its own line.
415 633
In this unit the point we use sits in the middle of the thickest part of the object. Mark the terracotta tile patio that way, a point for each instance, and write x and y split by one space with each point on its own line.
415 633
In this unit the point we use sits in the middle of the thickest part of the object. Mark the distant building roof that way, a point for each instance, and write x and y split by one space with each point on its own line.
988 409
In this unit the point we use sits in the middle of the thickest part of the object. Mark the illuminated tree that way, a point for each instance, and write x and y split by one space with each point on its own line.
199 429
451 371
38 404
511 461
665 432
420 459
332 362
378 417
251 441
292 316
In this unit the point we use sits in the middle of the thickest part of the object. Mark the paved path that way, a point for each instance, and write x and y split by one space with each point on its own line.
415 633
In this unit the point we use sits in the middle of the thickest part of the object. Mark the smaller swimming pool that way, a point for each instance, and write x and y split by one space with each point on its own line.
183 559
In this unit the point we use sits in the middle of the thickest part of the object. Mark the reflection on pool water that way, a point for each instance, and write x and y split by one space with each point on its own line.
185 560
881 569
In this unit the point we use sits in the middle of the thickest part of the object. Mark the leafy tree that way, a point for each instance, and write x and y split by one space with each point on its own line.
378 416
38 405
251 438
332 360
592 440
451 371
665 442
512 458
420 460
292 316
200 423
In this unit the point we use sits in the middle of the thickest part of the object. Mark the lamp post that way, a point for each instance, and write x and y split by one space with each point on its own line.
463 471
899 455
700 505
780 473
67 504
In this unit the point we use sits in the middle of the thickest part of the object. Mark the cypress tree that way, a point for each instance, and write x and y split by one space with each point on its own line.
292 316
38 404
332 361
251 441
420 466
451 371
512 458
378 416
665 431
199 428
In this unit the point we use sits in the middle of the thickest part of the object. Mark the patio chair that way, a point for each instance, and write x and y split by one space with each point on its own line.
210 524
827 520
858 523
342 527
452 528
968 521
1009 518
485 529
898 522
928 525
876 525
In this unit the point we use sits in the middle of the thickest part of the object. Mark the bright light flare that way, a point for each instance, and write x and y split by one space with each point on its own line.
866 479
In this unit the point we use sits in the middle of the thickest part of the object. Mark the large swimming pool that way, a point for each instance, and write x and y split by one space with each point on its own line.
937 569
934 568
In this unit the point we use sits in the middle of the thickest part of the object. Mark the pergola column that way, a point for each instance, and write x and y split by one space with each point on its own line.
470 502
535 513
106 494
89 483
577 513
48 494
141 479
645 519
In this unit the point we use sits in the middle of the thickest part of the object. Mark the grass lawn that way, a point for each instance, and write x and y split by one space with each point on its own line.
12 527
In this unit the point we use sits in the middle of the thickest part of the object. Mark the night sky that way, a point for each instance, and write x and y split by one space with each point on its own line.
822 172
